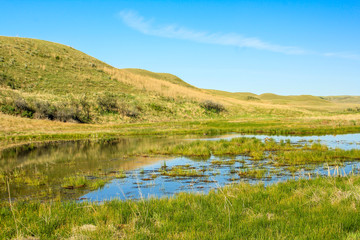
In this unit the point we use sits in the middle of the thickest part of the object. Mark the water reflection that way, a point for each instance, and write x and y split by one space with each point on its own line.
41 169
140 184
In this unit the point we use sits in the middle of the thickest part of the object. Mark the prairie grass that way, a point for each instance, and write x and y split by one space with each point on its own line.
45 75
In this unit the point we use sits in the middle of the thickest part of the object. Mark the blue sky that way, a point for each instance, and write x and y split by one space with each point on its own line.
283 47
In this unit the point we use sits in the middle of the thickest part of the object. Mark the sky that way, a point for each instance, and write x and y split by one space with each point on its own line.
282 47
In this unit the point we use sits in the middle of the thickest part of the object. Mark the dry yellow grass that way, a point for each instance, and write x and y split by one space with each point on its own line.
158 86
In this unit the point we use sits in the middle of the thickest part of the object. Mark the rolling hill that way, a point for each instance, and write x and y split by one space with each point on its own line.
46 80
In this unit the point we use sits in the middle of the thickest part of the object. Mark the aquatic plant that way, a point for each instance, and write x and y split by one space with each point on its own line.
253 173
75 182
180 171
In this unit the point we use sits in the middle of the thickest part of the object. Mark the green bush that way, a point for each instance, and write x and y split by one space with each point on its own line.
213 106
8 109
45 110
22 105
108 103
17 106
131 112
85 109
157 107
6 80
74 110
251 98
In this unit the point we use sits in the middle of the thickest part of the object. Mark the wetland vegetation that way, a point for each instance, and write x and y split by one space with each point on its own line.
321 208
75 131
135 167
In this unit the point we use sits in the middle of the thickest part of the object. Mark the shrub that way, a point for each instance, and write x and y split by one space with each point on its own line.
8 109
213 106
6 80
85 107
133 113
22 105
19 106
157 107
108 103
65 112
45 110
356 109
251 98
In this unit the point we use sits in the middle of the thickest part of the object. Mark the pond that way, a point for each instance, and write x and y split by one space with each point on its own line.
39 172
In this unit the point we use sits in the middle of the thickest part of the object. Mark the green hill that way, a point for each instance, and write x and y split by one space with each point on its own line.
46 80
42 79
343 99
275 99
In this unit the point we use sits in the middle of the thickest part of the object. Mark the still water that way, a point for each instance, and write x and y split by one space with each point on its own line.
139 183
42 169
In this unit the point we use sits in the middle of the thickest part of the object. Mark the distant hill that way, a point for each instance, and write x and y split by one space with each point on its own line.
343 99
46 80
276 99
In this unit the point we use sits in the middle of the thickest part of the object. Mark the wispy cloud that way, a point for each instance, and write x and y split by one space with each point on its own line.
139 23
345 55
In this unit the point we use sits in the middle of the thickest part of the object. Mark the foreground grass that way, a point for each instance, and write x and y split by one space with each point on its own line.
321 208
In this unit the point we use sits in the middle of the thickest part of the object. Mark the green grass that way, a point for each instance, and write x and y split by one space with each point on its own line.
41 79
321 208
24 133
281 153
75 182
45 80
253 173
308 100
181 171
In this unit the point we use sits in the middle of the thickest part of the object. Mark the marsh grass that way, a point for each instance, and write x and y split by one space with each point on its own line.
222 162
320 208
75 182
253 173
280 153
182 171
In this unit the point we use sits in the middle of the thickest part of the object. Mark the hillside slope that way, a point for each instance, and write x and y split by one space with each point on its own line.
42 77
46 80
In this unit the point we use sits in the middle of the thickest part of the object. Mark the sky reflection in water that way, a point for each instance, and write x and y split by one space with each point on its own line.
139 183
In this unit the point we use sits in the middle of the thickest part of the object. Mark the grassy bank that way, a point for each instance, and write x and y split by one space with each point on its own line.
15 131
322 208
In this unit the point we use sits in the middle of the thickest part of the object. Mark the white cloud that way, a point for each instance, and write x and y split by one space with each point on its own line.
137 22
342 55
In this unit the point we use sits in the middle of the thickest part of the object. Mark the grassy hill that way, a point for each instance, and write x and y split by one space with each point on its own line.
42 79
343 99
46 80
314 104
